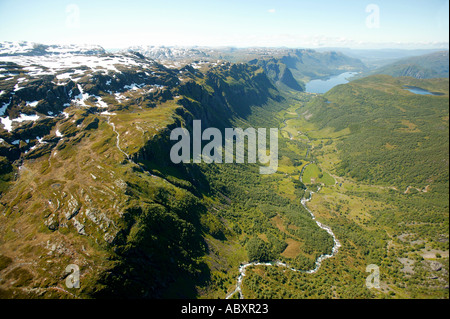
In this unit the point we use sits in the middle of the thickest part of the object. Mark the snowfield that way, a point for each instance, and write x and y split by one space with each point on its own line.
125 76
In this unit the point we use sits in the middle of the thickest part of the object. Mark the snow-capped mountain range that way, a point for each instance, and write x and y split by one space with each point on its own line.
41 81
35 49
162 53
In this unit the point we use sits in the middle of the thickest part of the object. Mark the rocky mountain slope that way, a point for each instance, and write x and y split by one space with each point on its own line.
302 64
279 73
86 178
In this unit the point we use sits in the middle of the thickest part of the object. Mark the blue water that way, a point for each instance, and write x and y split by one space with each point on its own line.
417 90
323 86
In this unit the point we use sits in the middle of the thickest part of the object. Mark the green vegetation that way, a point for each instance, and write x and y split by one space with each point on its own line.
106 196
313 174
434 65
393 132
6 175
376 221
309 64
280 74
391 204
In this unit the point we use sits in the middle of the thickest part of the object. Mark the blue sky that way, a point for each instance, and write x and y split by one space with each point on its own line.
291 23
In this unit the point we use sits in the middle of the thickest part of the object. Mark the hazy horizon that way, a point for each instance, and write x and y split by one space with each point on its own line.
386 47
268 24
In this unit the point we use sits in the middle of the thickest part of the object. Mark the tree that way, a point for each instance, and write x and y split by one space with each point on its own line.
258 250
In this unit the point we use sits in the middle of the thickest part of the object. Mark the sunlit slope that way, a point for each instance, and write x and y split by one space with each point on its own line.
88 181
395 137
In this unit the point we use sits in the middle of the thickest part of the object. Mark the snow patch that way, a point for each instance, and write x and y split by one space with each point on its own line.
108 113
4 107
81 98
133 86
64 76
33 104
7 122
120 97
100 102
25 117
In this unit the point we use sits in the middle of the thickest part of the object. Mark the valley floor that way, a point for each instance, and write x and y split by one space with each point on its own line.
411 263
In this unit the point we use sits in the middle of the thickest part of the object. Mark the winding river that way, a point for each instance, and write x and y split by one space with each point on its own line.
320 259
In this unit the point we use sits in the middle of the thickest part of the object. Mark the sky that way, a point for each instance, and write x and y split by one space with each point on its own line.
242 23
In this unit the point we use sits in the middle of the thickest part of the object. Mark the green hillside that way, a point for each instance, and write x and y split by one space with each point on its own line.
388 150
393 131
433 65
306 65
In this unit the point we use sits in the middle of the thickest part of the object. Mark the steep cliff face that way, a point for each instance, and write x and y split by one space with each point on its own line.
230 91
86 178
287 68
278 71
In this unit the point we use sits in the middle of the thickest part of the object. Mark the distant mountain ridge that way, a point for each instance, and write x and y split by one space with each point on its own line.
433 65
25 48
288 67
162 53
311 64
